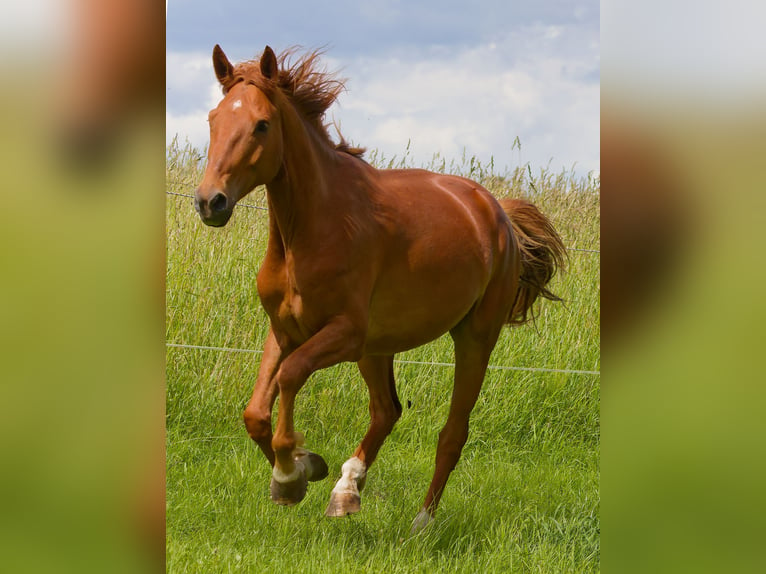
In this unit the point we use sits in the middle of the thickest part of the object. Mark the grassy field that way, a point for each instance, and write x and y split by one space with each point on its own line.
525 495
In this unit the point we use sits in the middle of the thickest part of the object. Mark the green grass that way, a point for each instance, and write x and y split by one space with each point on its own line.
525 495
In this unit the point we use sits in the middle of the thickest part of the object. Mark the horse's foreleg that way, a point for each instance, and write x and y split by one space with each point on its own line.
336 342
257 414
385 410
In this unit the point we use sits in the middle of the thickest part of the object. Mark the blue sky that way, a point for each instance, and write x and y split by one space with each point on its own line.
445 76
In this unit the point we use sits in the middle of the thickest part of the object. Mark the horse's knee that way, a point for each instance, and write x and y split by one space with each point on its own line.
258 425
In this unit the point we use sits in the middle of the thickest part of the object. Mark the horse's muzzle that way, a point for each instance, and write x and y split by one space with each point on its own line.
215 211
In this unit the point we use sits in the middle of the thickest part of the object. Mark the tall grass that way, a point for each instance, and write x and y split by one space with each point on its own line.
524 497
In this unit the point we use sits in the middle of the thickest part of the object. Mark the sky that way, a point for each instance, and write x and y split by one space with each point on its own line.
442 76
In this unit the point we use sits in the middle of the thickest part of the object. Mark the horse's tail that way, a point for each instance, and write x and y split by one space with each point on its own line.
542 254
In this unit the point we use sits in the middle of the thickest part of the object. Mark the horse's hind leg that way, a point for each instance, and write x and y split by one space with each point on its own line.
385 410
471 358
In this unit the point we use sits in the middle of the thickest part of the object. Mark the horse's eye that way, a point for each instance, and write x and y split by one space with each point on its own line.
262 127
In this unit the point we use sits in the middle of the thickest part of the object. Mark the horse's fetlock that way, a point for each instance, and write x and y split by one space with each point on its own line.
284 443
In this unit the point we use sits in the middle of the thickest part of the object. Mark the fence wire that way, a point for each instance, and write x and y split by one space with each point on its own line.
398 361
239 204
251 206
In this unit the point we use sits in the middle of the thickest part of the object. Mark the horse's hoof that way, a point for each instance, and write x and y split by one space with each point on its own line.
289 493
421 522
343 504
316 467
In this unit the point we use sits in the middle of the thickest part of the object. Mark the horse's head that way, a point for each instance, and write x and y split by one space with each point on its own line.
245 140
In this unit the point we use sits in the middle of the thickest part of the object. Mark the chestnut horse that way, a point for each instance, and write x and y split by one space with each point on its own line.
361 264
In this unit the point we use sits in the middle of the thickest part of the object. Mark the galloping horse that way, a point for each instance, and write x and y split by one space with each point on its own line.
361 264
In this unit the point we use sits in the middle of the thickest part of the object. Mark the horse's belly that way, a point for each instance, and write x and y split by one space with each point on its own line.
408 313
389 343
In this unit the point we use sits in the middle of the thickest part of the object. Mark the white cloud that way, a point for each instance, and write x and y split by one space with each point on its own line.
536 83
181 64
479 100
192 91
192 127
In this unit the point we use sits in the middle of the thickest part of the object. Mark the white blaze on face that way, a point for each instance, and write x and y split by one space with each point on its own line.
236 105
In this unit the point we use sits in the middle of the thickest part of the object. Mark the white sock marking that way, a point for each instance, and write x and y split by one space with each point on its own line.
422 520
352 472
283 478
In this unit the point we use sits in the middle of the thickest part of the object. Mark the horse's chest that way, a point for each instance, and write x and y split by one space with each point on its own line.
284 304
290 317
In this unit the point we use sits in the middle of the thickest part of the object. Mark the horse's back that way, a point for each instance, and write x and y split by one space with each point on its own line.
433 202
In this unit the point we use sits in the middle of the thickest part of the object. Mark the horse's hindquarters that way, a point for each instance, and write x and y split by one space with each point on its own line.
451 243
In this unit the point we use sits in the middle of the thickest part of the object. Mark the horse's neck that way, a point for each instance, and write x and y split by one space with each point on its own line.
303 191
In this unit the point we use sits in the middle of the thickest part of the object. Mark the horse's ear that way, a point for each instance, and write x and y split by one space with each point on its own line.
269 67
223 68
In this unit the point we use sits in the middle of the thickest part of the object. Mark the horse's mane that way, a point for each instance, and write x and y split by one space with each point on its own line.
308 86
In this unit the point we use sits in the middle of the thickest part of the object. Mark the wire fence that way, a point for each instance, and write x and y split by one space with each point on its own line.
239 204
251 206
398 361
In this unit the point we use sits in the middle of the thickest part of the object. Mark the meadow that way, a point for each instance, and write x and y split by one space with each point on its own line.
525 494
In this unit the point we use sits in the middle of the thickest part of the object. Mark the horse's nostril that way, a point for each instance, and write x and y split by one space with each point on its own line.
218 203
196 205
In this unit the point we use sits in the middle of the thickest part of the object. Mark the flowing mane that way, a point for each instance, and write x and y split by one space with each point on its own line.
309 87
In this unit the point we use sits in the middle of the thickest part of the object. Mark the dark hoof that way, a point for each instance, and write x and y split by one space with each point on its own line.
343 504
316 467
289 493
